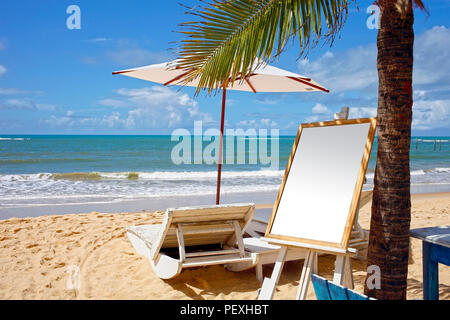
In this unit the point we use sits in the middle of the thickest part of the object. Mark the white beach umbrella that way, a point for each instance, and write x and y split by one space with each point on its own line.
264 78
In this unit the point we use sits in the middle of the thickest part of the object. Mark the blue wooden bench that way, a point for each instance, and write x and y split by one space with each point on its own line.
326 290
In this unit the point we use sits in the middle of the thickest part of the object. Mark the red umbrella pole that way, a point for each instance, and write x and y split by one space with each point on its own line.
222 121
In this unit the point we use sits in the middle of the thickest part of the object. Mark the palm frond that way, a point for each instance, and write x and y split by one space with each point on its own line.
228 36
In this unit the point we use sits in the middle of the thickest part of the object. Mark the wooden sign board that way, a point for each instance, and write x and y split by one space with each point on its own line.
318 199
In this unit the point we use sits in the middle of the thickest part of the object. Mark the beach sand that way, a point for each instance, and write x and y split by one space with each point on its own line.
36 255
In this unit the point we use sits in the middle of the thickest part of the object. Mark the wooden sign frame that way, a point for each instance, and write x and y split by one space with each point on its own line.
343 244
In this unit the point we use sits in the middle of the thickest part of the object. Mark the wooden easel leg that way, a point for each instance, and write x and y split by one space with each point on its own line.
268 287
308 266
339 265
259 272
315 265
348 274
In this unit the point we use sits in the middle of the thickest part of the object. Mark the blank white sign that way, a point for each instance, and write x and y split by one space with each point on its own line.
318 192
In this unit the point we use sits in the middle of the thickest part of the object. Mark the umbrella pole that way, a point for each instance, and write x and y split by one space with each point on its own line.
219 169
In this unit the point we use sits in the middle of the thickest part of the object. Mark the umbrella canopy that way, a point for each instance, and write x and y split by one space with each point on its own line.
264 78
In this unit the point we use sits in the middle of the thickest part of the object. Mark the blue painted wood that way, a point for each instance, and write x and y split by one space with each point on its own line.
326 290
440 254
435 249
432 255
320 287
352 295
338 292
437 235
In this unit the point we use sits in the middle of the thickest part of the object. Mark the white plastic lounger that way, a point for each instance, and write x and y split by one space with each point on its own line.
193 237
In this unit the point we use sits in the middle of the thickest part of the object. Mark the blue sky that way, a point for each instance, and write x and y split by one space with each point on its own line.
58 81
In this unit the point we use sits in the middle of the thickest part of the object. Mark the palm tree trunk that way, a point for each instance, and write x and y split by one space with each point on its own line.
391 206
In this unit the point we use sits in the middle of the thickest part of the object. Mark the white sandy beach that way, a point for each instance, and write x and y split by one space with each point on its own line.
35 254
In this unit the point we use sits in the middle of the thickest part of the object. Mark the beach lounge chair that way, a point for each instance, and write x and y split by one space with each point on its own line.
326 290
193 237
203 236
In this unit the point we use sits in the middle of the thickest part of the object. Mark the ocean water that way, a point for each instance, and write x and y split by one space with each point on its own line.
55 170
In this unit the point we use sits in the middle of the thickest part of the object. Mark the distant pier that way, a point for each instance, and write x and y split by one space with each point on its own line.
435 142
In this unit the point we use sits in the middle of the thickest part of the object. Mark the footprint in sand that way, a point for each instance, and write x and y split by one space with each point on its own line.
73 233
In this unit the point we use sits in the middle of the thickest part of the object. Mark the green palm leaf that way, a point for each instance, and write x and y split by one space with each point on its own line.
231 34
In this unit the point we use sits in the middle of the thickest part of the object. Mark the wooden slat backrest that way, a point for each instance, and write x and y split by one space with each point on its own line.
203 225
209 214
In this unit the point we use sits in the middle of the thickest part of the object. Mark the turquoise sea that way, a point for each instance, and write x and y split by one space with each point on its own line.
53 170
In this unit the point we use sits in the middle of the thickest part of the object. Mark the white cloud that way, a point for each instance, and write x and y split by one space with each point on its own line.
162 107
431 114
270 98
362 112
2 70
22 104
45 107
113 120
152 109
98 40
15 91
320 113
115 103
268 123
321 109
124 52
70 120
352 78
427 114
291 125
59 121
2 44
26 104
263 123
246 123
136 57
354 69
157 95
432 57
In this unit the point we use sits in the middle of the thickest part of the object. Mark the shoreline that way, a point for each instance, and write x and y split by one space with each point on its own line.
162 203
262 208
147 205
